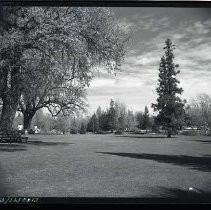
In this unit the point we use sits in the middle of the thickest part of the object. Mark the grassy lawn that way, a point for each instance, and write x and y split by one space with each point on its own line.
105 166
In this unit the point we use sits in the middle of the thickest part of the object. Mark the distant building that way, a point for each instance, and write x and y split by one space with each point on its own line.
20 127
190 128
36 129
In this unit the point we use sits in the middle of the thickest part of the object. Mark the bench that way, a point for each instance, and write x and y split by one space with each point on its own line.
12 137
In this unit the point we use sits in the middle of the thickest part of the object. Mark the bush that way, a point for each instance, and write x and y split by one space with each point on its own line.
101 132
189 132
73 131
140 132
118 132
82 132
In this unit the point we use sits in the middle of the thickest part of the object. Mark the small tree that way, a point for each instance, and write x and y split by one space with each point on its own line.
93 124
169 106
83 128
139 118
131 121
116 115
98 115
111 115
74 128
122 118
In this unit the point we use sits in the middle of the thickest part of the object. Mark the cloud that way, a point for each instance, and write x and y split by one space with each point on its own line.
152 24
135 84
149 58
126 25
198 28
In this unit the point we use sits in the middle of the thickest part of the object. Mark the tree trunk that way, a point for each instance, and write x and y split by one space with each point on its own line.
10 92
169 133
9 108
27 120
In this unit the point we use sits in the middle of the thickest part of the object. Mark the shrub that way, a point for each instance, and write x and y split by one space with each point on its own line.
189 132
101 132
118 132
73 131
82 131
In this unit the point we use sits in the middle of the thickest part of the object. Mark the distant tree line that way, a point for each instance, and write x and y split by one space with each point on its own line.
115 118
59 124
118 118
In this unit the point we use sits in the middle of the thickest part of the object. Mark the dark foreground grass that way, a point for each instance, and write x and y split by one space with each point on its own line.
107 166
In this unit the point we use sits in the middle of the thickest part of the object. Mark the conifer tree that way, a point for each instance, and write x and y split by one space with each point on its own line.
83 128
169 106
145 118
111 115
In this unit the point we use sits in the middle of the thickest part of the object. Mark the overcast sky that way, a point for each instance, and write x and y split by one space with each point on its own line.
188 28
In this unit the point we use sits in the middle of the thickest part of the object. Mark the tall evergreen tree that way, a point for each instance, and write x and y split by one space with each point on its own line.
83 128
122 118
98 115
96 123
145 124
111 115
99 111
139 118
116 115
169 105
93 125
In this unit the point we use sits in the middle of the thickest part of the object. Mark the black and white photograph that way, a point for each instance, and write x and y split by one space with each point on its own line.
105 102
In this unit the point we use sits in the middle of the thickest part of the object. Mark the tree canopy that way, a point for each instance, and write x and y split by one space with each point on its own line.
47 55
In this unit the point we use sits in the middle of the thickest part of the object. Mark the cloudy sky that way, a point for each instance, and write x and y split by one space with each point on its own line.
188 28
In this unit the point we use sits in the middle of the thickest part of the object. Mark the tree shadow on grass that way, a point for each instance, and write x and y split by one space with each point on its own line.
202 163
203 141
209 141
5 147
45 143
146 137
12 147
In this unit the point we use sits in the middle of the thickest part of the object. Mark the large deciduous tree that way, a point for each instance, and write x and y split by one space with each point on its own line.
58 94
169 106
47 55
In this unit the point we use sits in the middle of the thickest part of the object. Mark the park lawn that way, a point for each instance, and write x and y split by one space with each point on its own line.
105 166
